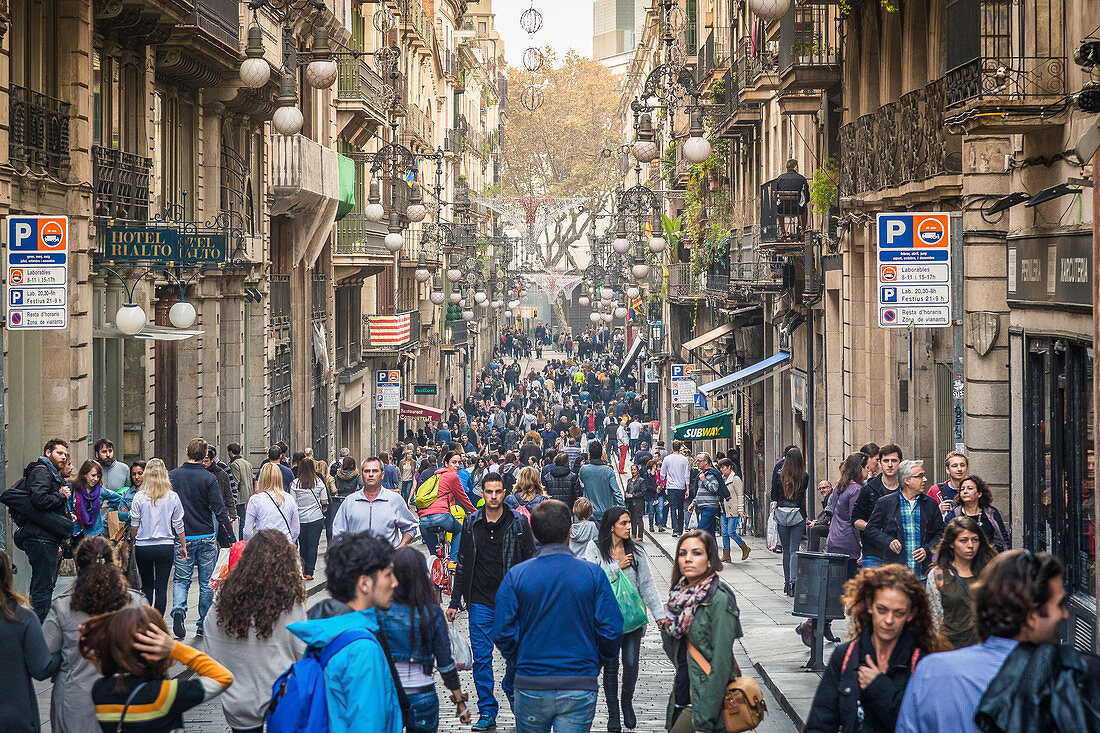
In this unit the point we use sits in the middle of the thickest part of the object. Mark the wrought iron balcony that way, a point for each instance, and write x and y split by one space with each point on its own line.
359 89
738 117
901 142
280 300
761 275
758 70
809 47
356 235
221 19
38 137
455 332
455 140
1006 58
390 331
419 127
121 183
414 19
682 284
714 56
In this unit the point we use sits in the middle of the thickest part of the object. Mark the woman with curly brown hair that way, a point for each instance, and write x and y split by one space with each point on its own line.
963 552
261 595
100 588
891 628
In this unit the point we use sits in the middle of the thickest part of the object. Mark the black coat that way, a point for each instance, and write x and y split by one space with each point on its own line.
562 484
884 527
44 486
838 698
1043 688
516 546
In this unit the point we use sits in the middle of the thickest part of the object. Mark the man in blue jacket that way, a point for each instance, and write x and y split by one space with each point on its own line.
359 682
557 618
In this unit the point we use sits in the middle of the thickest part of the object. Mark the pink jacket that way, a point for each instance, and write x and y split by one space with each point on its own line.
450 492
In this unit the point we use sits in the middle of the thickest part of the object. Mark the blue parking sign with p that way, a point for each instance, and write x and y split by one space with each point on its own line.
888 295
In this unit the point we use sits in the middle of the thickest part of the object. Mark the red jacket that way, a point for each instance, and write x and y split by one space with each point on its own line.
450 492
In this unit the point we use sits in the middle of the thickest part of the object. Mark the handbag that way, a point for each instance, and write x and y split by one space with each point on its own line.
788 516
630 603
743 707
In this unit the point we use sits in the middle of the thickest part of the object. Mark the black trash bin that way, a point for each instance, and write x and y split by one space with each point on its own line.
818 587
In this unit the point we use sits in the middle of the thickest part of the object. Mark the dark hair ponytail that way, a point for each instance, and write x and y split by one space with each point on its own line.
100 585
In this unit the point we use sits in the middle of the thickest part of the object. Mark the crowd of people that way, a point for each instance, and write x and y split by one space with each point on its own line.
542 482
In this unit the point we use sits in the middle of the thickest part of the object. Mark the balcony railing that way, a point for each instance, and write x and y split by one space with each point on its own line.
1004 51
357 81
412 15
220 19
121 183
392 330
280 300
39 134
456 332
681 282
901 142
809 47
356 235
455 140
419 125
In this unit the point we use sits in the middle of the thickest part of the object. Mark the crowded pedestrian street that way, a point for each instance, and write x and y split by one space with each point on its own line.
405 366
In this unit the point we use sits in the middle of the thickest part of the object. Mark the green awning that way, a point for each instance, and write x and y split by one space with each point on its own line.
709 427
347 186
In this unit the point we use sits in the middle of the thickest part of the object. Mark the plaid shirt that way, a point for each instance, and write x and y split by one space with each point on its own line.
910 525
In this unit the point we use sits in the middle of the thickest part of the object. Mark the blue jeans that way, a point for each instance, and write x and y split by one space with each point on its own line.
871 561
481 644
424 717
566 711
446 522
202 553
708 519
791 537
406 489
657 508
676 500
730 525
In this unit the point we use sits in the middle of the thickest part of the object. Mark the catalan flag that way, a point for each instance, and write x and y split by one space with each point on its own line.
634 309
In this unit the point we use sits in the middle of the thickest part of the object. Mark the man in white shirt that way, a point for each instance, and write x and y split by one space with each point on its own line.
635 428
676 469
384 513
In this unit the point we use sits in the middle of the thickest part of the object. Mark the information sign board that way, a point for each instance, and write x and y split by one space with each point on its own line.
36 272
914 270
387 389
683 384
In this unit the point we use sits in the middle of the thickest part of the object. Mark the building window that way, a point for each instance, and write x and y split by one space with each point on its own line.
175 151
117 102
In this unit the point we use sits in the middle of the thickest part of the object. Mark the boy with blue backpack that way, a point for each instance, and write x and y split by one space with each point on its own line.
346 680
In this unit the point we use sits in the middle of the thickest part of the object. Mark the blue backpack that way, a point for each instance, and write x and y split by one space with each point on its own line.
298 701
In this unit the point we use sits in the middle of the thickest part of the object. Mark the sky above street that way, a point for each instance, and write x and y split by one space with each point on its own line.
566 24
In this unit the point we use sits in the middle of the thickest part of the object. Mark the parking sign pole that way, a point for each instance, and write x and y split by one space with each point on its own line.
958 380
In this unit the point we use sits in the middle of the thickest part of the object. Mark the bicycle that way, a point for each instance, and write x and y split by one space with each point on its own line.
441 573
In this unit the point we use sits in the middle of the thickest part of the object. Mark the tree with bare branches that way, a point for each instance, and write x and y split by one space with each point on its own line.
561 148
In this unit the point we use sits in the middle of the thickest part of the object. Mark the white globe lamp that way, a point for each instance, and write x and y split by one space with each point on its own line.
640 271
769 9
321 73
645 151
394 242
287 120
594 316
621 245
255 71
421 274
182 314
437 297
416 212
480 297
657 244
454 275
696 149
620 312
633 292
374 212
584 301
467 315
130 319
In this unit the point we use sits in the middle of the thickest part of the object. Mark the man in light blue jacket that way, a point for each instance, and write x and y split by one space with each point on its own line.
359 681
601 484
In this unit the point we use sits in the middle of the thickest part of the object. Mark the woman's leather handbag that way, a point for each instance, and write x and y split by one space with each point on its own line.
743 707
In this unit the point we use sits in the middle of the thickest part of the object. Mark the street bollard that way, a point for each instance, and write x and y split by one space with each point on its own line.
818 586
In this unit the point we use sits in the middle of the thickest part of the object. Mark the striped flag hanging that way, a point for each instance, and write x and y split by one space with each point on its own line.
634 310
390 330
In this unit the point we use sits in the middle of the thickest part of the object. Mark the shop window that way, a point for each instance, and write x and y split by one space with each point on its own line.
1059 486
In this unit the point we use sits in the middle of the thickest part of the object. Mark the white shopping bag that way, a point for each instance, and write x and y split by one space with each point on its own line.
773 528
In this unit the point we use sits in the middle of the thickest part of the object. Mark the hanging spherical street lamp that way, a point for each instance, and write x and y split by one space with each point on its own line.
182 314
436 296
255 71
130 319
584 301
640 270
633 292
620 312
421 272
416 211
321 71
696 147
394 241
657 244
455 296
769 9
467 315
621 244
645 148
287 119
594 316
374 211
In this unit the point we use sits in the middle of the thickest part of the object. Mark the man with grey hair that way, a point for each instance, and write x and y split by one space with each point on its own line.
907 523
707 502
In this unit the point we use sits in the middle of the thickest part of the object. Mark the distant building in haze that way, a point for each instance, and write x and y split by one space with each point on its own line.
616 27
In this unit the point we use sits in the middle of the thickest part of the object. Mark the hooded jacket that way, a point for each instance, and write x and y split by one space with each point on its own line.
359 687
562 484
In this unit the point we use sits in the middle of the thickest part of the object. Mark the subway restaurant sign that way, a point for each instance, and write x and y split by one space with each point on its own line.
711 427
162 245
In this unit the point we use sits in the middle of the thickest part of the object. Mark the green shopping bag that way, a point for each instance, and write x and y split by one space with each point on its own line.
630 603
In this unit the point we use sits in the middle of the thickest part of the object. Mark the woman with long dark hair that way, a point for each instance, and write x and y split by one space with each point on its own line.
99 588
23 654
416 634
892 629
701 625
624 561
89 495
262 594
789 494
311 495
975 500
963 552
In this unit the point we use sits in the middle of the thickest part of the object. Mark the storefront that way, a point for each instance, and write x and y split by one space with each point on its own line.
1053 422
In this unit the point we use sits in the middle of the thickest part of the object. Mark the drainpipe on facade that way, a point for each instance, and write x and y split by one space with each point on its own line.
1095 341
956 244
809 290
